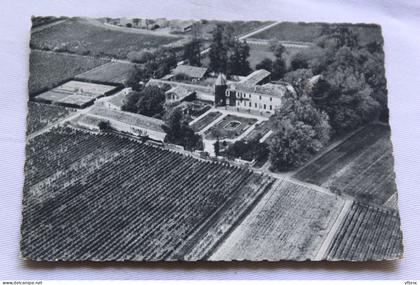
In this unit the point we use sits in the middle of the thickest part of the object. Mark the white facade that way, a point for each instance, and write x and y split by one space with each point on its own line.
256 101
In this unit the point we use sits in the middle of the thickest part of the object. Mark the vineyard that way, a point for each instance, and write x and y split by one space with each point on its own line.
367 233
290 222
106 197
79 36
48 69
42 115
361 166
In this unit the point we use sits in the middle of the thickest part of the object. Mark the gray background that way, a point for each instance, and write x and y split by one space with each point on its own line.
400 22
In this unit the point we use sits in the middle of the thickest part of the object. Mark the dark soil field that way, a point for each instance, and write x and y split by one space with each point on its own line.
42 115
367 233
104 197
112 72
48 69
82 37
361 166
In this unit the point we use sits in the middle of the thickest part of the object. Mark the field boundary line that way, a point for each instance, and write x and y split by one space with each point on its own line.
390 200
46 26
328 149
310 186
360 175
267 193
211 124
323 250
201 116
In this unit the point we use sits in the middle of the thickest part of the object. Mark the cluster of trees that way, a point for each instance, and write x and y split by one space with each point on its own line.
179 132
301 130
148 102
227 54
350 91
152 64
248 150
192 52
277 67
352 88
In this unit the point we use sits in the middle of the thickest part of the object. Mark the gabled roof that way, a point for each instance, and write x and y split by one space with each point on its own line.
269 89
180 91
190 71
221 80
255 77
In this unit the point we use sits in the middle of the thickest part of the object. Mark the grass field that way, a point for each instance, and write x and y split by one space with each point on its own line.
361 166
367 233
47 69
259 52
229 127
112 72
82 37
309 32
43 115
110 198
290 222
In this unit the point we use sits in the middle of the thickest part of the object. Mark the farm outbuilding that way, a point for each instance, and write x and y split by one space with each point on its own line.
76 94
193 72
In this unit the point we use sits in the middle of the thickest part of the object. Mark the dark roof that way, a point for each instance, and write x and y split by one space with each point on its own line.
191 71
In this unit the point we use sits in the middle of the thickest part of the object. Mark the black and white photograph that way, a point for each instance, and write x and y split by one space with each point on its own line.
188 140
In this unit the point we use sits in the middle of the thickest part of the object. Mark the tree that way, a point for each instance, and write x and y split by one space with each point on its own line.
300 131
222 41
350 100
104 126
192 52
238 63
292 144
216 146
179 132
149 101
266 64
299 62
173 124
130 102
279 65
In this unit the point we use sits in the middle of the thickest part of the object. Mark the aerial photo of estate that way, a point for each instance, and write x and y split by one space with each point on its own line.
208 140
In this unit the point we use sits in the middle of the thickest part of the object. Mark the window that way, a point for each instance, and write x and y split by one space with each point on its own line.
249 104
260 97
271 107
237 103
264 107
271 99
256 106
249 95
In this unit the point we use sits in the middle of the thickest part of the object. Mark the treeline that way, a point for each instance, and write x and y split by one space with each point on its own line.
349 91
